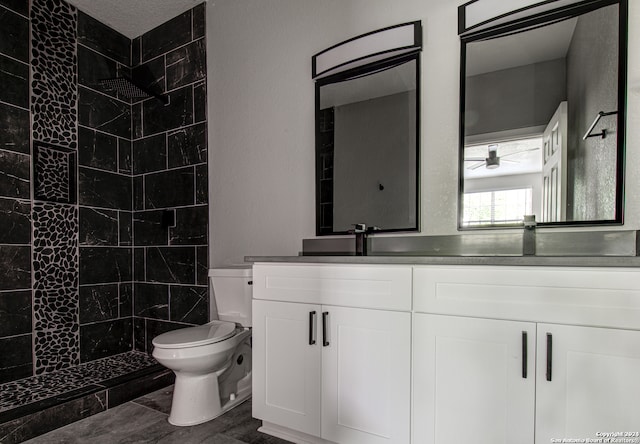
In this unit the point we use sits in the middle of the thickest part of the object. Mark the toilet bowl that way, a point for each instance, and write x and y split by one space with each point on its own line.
212 362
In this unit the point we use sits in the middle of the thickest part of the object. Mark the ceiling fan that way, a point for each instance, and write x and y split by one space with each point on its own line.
493 160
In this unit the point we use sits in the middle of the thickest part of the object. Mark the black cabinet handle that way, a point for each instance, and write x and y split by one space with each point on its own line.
549 355
524 355
325 319
312 328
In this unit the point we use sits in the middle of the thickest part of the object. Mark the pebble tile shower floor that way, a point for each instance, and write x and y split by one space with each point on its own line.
38 388
35 405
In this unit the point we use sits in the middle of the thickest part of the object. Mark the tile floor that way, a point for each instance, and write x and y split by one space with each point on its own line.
144 420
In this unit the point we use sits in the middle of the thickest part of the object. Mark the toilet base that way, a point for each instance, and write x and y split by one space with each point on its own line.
196 399
201 394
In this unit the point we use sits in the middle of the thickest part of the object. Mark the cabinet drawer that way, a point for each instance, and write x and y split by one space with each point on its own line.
604 297
377 287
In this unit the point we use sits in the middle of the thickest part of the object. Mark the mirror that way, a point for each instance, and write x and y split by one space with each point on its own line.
367 147
542 119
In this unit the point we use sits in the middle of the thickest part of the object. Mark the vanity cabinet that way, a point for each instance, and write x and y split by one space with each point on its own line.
593 384
287 368
490 367
327 369
472 382
445 354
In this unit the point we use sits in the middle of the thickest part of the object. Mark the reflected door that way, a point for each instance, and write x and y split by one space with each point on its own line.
554 170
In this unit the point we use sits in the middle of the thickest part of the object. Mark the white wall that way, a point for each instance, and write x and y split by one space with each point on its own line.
261 115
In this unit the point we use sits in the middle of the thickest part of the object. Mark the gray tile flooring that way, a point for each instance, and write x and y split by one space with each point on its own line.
144 420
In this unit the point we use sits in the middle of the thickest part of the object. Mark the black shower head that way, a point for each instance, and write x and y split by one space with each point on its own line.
131 90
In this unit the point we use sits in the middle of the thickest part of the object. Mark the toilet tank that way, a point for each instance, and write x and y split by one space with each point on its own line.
231 288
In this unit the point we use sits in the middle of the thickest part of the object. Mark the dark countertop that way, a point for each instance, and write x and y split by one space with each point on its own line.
547 261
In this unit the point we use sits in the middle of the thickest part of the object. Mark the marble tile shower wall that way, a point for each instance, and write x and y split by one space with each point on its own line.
170 180
16 334
104 194
94 270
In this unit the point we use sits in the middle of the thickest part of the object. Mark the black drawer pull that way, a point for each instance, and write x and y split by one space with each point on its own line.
549 355
312 328
524 355
325 319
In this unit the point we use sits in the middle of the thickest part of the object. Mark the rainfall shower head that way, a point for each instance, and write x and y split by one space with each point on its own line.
130 89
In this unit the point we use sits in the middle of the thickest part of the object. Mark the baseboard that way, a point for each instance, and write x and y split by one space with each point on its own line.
290 435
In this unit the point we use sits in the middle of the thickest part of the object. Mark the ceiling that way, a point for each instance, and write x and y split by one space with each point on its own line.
536 45
400 78
134 17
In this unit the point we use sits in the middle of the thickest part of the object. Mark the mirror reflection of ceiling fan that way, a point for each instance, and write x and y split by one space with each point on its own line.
493 160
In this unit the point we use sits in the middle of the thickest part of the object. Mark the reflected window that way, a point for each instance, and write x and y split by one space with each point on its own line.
499 173
490 208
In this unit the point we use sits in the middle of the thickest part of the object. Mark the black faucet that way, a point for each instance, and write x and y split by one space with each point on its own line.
361 231
529 236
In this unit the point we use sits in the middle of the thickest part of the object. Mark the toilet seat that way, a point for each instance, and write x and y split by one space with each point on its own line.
214 331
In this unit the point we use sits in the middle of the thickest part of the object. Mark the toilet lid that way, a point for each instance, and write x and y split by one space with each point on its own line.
210 333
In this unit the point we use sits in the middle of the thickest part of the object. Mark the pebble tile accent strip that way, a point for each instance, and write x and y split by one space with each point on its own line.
37 388
55 273
54 111
55 225
54 96
56 349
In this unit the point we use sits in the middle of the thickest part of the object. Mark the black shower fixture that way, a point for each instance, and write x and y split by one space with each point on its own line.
141 85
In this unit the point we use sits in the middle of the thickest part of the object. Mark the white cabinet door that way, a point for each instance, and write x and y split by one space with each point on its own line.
474 380
588 382
366 376
287 365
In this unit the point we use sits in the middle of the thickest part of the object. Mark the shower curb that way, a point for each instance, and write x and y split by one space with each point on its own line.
30 420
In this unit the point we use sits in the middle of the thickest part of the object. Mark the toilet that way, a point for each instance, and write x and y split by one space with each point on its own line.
212 362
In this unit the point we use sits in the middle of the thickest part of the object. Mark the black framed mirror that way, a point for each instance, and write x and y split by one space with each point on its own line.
542 117
367 146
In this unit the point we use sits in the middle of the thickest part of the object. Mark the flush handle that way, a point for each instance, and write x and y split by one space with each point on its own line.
325 325
312 327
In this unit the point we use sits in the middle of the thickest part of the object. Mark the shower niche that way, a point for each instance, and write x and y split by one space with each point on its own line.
54 173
